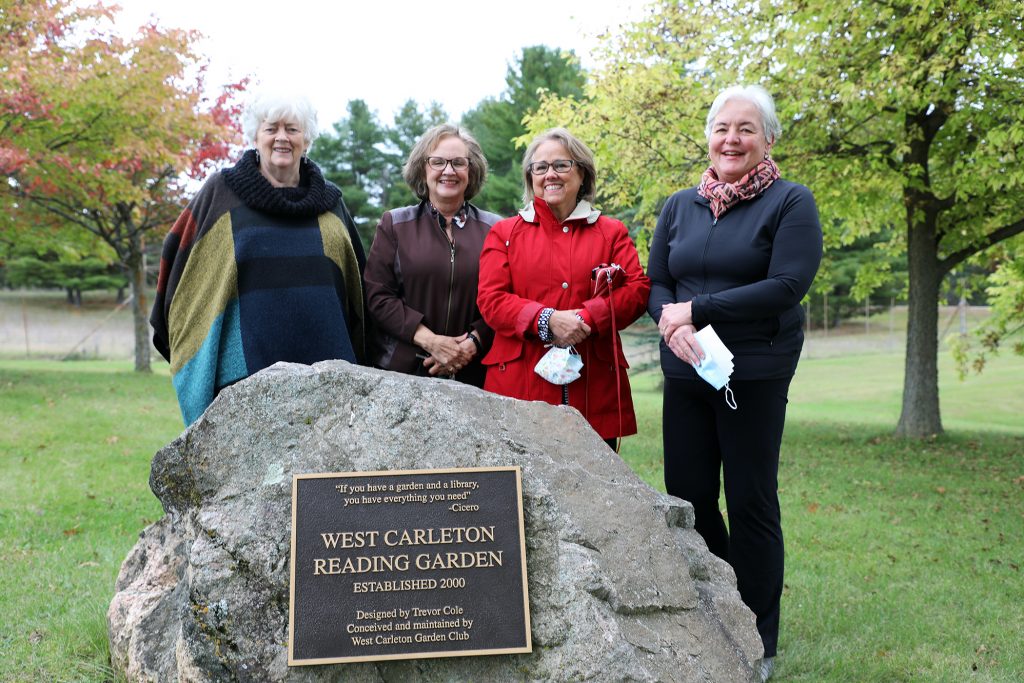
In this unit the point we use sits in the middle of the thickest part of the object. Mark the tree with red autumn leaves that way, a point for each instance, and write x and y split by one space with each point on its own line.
101 133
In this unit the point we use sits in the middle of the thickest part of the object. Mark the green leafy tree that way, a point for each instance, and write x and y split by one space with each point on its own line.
498 122
1005 327
352 157
850 274
365 158
74 274
895 113
411 122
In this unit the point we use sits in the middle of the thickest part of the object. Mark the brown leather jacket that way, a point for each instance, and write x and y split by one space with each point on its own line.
415 275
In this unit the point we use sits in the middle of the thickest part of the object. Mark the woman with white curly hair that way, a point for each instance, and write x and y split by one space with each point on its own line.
263 265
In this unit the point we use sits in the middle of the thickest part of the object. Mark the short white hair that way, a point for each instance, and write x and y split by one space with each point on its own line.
275 107
756 95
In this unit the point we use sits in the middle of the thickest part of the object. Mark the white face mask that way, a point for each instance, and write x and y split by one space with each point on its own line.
560 366
717 366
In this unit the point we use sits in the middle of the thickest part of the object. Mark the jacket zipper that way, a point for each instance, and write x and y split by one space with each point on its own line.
704 257
451 277
451 288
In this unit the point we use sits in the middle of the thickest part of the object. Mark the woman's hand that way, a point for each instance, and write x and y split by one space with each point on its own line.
672 316
685 345
448 355
567 329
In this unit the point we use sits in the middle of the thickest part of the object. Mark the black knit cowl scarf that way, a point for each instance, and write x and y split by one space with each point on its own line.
313 196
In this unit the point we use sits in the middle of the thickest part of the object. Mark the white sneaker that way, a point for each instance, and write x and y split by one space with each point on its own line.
767 668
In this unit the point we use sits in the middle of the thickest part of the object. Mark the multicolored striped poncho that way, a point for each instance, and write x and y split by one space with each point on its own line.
251 275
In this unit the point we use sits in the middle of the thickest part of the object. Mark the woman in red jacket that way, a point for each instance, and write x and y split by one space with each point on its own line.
537 288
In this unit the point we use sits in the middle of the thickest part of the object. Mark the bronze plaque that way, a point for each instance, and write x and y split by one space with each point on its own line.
407 564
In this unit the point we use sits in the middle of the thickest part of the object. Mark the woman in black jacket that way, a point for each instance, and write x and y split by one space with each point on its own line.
738 252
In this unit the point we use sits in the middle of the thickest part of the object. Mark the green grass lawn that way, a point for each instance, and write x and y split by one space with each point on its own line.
903 558
74 467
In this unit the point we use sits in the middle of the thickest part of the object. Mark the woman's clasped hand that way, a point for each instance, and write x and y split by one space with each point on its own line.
567 328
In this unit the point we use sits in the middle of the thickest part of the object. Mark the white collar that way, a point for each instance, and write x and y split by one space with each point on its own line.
583 210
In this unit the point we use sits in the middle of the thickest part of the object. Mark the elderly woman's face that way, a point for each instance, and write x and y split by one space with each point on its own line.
448 184
281 145
737 140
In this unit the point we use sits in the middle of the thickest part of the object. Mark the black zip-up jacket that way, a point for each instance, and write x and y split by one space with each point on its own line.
744 274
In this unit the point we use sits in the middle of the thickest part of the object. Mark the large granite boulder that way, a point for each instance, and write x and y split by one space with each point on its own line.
621 587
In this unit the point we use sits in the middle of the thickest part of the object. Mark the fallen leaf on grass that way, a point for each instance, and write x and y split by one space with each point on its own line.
113 439
73 531
89 563
812 508
36 637
941 490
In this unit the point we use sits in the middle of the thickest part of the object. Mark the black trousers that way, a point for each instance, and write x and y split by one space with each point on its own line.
702 437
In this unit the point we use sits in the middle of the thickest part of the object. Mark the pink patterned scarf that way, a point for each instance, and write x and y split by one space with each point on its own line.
723 196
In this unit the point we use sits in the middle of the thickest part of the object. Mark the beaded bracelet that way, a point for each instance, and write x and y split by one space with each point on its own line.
543 328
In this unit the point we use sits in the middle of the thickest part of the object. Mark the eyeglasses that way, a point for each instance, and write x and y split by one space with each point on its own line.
560 166
439 163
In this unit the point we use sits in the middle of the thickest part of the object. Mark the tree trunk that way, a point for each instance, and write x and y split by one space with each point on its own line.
920 417
137 267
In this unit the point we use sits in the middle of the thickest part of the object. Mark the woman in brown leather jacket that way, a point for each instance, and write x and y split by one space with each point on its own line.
421 273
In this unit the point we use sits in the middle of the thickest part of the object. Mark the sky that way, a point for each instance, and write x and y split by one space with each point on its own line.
381 51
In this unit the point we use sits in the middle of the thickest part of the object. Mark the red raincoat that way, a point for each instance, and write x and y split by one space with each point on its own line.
530 262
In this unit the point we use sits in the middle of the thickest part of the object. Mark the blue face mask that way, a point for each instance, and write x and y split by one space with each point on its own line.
716 366
718 377
712 372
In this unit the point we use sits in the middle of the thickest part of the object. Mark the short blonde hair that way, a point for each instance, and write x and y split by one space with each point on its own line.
415 170
275 107
579 152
